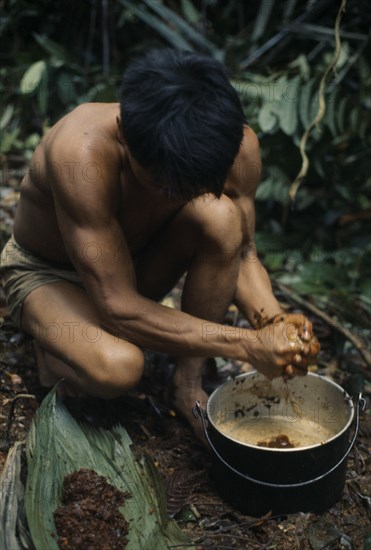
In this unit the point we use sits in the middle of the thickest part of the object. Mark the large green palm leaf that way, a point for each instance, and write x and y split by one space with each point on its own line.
58 445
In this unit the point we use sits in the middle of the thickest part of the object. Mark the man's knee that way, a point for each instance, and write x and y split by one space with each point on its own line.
117 371
220 223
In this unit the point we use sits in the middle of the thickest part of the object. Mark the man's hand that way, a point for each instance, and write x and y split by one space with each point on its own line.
285 346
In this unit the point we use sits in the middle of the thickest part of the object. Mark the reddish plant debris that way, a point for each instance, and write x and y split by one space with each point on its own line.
90 516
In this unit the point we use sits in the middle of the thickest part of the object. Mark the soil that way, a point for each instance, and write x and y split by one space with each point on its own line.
193 499
82 522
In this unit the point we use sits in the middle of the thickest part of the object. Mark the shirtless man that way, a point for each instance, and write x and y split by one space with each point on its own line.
120 201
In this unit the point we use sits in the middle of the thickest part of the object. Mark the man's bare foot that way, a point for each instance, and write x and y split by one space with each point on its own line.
183 394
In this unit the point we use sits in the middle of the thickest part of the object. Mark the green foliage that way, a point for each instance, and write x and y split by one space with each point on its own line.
177 31
281 109
11 496
53 62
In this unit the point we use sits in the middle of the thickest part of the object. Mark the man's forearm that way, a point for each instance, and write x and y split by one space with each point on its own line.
150 325
254 296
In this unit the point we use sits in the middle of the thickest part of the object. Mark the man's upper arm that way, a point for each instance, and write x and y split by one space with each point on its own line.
86 207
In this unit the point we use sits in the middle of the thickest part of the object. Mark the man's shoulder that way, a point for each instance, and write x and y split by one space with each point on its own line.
86 134
79 160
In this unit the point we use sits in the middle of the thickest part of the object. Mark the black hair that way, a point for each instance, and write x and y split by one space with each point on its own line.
182 119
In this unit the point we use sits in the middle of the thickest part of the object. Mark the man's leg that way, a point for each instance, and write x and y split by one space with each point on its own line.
72 345
204 239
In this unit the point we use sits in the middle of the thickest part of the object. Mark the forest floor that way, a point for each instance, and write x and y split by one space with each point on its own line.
184 464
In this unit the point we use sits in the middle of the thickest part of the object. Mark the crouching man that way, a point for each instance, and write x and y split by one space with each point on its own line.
119 202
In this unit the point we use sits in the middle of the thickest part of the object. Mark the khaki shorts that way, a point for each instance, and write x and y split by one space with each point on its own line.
22 272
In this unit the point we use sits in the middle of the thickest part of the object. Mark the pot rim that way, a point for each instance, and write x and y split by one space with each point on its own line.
326 380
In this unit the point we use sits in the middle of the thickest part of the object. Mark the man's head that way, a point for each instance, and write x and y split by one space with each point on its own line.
182 120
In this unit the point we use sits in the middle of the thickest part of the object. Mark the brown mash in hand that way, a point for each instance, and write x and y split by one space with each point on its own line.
298 329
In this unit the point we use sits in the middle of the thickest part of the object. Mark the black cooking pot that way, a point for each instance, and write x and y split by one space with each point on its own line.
279 446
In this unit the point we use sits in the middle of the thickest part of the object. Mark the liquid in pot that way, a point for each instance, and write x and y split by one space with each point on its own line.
302 432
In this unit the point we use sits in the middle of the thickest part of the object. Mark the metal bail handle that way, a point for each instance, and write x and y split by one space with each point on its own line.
199 412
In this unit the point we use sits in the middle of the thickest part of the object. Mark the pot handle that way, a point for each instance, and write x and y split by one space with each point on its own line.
198 412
